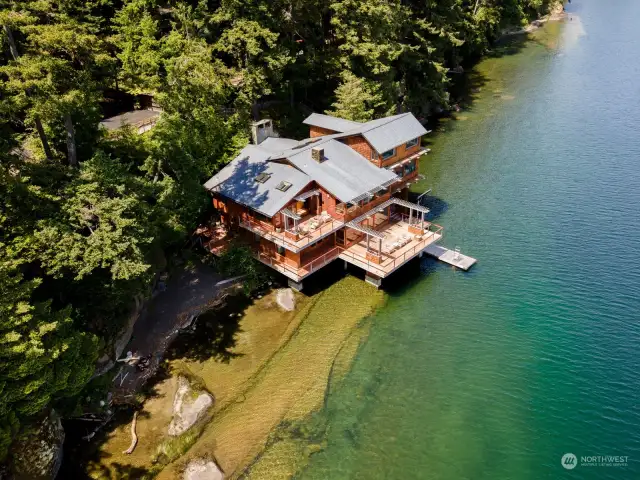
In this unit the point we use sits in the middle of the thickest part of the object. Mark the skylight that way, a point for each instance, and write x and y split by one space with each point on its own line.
283 186
263 177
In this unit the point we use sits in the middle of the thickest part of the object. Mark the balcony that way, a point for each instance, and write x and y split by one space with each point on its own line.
214 238
398 239
298 273
310 230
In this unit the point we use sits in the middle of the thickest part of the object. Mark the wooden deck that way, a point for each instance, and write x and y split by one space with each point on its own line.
315 232
214 238
451 257
391 260
320 259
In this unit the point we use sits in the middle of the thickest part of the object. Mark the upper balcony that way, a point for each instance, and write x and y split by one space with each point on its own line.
298 232
349 212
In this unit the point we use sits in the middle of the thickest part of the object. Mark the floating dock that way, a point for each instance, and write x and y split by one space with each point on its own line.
452 257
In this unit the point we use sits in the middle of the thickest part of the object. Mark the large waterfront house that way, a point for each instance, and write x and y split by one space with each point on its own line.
342 193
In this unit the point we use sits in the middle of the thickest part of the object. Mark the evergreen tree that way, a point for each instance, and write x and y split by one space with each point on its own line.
370 36
54 78
356 99
139 45
104 222
42 355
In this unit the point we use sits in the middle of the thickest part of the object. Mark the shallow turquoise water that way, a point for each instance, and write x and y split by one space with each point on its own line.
496 373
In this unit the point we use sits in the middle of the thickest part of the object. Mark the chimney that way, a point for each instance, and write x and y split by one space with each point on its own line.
317 154
261 130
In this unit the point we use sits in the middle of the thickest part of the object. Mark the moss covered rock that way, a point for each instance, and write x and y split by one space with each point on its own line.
37 454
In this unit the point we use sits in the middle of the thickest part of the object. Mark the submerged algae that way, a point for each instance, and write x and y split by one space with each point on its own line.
291 384
276 374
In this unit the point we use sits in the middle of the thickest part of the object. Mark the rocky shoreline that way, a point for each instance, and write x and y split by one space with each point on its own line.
556 14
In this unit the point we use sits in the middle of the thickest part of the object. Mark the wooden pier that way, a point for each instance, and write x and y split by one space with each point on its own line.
451 257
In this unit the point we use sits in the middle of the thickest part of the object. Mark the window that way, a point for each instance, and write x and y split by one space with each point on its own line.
280 250
409 167
283 186
412 143
388 154
263 177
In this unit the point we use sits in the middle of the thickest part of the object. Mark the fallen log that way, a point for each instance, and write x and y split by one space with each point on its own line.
134 437
92 434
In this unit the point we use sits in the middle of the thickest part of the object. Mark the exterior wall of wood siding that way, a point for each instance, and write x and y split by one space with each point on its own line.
401 153
360 145
329 203
319 131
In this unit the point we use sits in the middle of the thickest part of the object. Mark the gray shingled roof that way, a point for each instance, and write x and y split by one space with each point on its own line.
277 144
129 118
237 181
383 134
330 123
386 133
344 172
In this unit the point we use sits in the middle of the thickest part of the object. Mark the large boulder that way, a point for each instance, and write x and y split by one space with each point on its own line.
124 336
200 469
37 453
286 299
189 406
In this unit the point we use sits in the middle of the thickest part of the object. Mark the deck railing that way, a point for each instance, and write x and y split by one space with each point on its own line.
279 238
304 270
322 261
362 262
390 264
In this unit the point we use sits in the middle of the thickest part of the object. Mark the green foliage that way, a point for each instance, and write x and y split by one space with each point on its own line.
356 99
237 260
42 356
104 222
84 213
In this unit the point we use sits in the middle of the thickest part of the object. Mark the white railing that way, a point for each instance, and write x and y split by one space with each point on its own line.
305 269
281 239
432 233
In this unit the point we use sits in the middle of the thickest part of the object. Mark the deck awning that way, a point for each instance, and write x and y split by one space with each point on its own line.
370 194
369 231
288 213
391 182
402 203
303 196
409 159
364 196
355 223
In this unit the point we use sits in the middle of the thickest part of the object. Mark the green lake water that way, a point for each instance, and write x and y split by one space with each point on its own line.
498 372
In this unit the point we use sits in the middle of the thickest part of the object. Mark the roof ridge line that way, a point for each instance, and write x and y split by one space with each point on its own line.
393 118
303 148
361 129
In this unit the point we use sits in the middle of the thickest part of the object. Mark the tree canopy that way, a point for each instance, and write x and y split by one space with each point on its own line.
85 213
